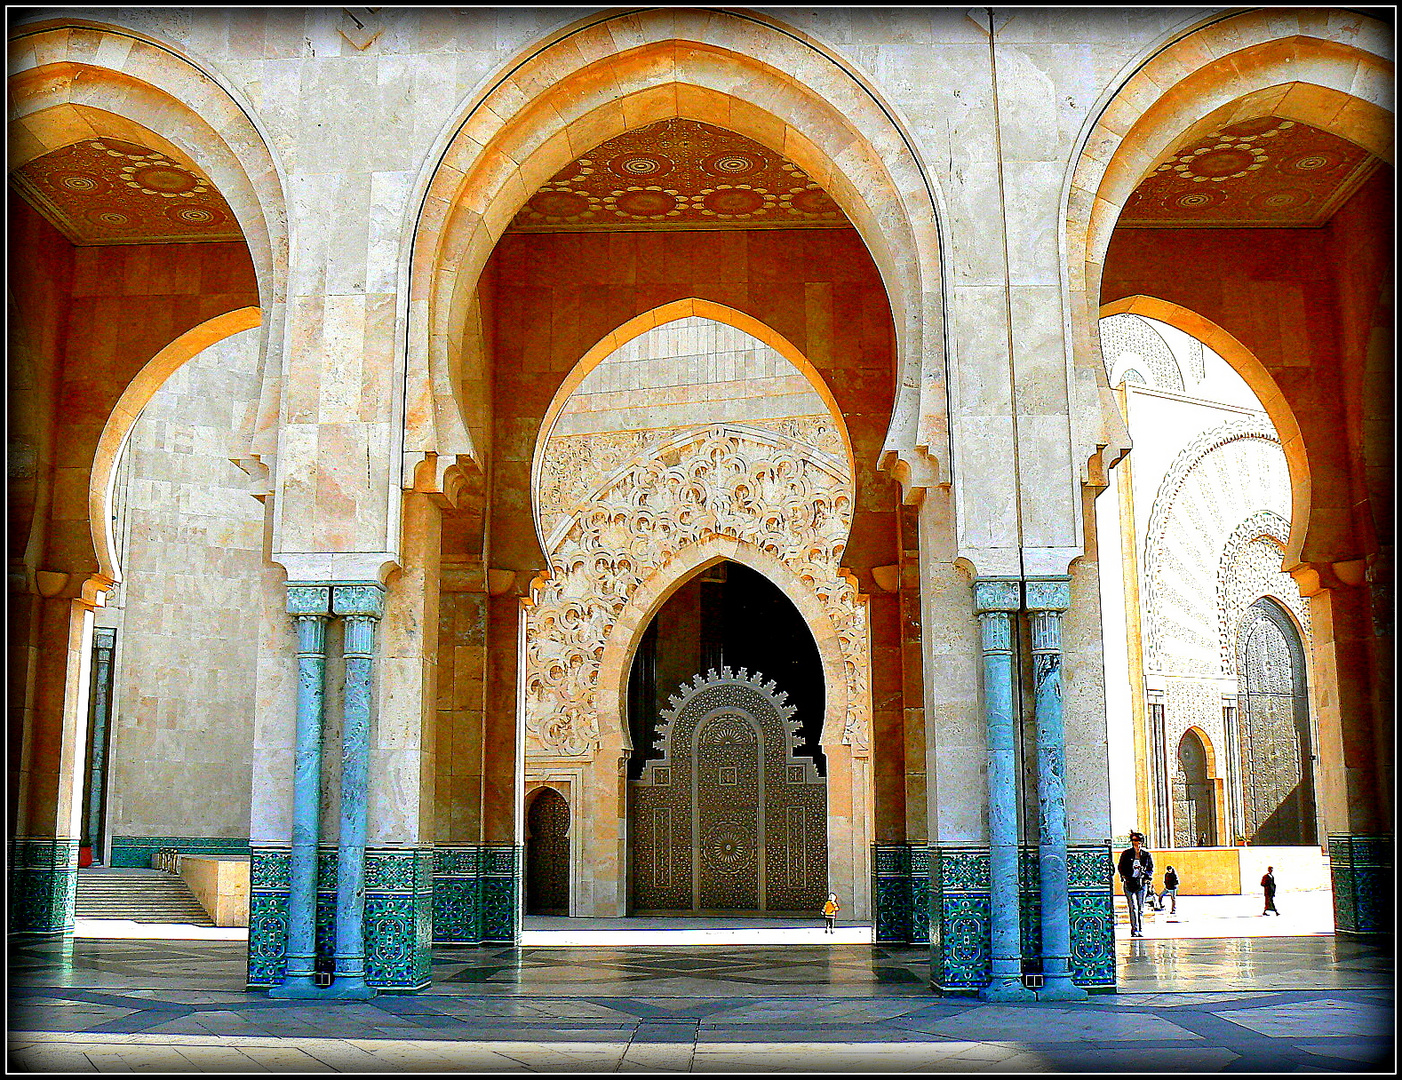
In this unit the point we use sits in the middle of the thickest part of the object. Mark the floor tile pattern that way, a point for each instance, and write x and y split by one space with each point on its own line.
1276 1004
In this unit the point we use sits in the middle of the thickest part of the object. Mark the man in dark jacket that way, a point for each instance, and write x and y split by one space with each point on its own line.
1136 868
1170 889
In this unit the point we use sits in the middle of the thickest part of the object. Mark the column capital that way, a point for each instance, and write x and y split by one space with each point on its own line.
366 598
306 598
996 594
1048 593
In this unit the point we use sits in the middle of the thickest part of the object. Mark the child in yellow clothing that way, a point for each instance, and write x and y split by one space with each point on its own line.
830 909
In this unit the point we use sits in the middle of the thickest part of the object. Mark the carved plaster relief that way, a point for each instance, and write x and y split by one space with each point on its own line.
777 493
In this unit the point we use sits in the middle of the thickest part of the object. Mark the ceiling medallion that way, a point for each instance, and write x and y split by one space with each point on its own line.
675 174
1262 172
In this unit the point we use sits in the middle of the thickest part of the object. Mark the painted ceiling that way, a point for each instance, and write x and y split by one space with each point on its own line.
1267 172
104 191
679 174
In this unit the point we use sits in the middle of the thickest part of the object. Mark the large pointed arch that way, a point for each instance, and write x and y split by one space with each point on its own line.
102 485
648 320
605 75
1218 70
1244 362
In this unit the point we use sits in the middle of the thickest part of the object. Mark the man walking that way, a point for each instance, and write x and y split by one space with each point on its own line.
1136 868
1170 889
1268 884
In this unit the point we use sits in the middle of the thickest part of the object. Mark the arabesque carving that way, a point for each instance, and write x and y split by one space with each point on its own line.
736 481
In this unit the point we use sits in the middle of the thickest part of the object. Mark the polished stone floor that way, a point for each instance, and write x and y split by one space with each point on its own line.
1315 1003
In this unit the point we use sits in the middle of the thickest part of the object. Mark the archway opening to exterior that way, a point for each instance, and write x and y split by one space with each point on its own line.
547 885
727 801
1203 510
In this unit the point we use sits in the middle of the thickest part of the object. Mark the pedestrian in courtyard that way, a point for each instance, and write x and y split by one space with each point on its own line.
1268 885
1136 869
830 909
1170 889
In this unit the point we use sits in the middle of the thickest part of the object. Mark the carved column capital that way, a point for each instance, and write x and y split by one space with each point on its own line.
364 598
1048 593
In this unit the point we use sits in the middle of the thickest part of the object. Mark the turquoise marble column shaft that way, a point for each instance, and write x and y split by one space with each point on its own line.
310 606
361 605
1047 598
996 600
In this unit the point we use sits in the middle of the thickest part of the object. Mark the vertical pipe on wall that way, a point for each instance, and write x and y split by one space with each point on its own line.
1047 598
995 601
310 606
361 605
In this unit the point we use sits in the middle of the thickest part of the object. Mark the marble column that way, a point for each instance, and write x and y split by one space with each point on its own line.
1047 598
310 605
361 605
104 646
996 601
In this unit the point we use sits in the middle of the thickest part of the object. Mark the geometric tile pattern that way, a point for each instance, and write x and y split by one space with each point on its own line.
960 929
475 887
105 191
43 884
1267 172
1269 1005
132 851
1364 889
679 173
398 916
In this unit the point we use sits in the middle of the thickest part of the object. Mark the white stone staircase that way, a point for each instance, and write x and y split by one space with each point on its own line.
141 896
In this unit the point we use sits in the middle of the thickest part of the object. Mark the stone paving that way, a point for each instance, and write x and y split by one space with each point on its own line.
1315 1003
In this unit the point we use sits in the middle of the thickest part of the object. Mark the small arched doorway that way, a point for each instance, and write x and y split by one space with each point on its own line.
1194 795
1273 722
727 796
548 854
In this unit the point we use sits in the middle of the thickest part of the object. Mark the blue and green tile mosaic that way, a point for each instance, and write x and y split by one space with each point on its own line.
137 850
960 928
1363 887
43 883
398 916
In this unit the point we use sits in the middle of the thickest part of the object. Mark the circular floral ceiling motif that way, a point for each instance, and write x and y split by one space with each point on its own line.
679 174
1265 172
106 191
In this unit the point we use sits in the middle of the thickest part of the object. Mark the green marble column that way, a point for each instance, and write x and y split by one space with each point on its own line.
310 605
1047 598
996 601
361 605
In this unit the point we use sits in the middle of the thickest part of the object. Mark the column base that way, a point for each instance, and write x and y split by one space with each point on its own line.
349 988
1060 988
1006 990
297 988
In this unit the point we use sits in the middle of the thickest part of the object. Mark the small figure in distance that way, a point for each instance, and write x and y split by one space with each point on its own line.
1170 889
1136 868
830 909
1268 885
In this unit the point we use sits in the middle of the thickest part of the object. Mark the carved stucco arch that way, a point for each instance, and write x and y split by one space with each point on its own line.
611 73
1165 503
659 316
1261 382
850 796
1260 525
1329 68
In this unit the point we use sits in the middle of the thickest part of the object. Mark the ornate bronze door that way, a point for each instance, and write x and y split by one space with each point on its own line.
548 854
1273 718
730 818
728 870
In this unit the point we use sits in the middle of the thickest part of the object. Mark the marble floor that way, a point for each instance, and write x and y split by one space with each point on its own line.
1312 1003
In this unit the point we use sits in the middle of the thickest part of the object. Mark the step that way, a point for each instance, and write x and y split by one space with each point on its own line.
137 895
